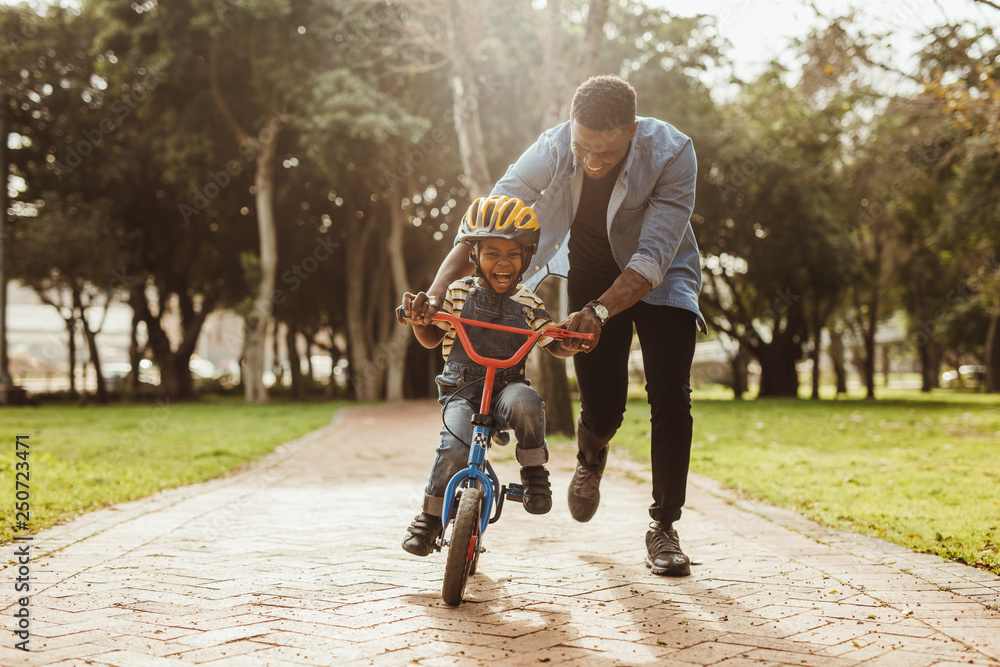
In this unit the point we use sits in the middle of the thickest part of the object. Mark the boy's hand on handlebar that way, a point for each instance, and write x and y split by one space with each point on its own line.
583 321
419 308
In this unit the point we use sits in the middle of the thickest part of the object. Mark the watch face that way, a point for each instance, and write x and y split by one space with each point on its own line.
602 311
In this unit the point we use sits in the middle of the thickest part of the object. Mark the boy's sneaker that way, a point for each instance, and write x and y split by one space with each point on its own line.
663 552
421 534
585 491
537 492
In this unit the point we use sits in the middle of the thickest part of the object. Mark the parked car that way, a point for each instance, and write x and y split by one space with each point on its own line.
965 375
203 369
116 373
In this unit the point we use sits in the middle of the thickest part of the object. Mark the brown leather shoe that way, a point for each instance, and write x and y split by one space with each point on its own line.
585 491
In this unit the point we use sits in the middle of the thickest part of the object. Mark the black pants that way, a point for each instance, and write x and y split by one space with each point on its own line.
667 338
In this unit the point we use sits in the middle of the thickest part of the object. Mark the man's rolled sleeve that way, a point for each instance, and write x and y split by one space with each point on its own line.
647 268
667 218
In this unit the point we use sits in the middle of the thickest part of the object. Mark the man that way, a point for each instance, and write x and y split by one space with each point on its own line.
615 194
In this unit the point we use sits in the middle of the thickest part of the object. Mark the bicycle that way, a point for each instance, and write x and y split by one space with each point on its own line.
476 491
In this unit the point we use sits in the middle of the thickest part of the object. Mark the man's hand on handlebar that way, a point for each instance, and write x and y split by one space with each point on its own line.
419 308
584 321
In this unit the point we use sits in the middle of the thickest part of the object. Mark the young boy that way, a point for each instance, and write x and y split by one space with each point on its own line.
503 234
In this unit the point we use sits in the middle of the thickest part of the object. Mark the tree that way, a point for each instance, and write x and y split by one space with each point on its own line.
959 67
776 242
32 51
50 261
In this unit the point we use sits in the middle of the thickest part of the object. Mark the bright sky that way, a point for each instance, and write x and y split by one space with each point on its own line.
759 30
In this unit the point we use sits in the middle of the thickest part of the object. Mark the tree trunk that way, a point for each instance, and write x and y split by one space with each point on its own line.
739 371
175 374
276 367
175 378
465 97
71 332
814 354
930 366
778 377
254 390
548 375
399 336
364 380
993 351
310 371
837 357
591 40
294 364
135 354
869 334
556 101
91 337
376 344
95 360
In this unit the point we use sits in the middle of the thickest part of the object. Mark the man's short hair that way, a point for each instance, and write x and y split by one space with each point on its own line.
604 102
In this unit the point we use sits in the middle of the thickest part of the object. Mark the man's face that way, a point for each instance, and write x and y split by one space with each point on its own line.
500 261
600 150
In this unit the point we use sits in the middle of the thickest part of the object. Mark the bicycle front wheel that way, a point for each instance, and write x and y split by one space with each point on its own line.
463 547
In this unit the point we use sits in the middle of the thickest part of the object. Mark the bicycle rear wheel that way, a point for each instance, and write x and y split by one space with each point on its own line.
463 546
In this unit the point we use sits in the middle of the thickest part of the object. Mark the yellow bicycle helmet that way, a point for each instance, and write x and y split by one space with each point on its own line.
501 217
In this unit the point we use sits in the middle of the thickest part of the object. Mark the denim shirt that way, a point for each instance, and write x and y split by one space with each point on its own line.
649 215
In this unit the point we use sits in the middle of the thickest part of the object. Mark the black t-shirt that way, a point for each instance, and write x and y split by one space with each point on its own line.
590 257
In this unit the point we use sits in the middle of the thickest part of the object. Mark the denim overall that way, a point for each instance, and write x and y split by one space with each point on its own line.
515 405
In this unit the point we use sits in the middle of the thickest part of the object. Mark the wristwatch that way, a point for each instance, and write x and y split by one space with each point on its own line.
600 310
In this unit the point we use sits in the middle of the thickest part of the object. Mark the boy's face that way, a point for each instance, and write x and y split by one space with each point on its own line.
500 261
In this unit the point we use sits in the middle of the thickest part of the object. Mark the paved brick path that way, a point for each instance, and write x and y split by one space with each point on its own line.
297 562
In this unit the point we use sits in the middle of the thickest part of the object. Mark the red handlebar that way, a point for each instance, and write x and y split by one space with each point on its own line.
533 336
493 364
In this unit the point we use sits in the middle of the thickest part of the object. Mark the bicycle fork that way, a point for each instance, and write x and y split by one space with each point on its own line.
475 472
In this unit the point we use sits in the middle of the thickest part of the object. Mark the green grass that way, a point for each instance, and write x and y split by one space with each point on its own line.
82 458
921 471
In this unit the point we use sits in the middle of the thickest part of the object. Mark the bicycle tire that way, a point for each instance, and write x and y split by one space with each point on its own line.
464 540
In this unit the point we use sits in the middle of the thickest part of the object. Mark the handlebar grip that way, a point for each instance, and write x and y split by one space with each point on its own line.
399 313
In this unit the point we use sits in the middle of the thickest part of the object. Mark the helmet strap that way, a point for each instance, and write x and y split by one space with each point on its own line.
474 258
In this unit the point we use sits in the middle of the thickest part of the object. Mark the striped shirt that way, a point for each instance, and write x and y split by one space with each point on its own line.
536 315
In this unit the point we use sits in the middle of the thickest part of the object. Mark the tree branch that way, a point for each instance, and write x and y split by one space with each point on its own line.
213 68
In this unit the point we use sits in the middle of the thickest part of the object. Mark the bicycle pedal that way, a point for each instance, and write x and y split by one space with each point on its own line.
515 492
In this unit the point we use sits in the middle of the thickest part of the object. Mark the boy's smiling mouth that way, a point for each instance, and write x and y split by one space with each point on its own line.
502 280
